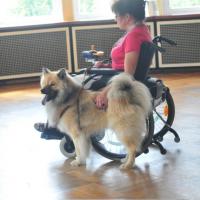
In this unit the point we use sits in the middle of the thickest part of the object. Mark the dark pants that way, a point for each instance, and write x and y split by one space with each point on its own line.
101 83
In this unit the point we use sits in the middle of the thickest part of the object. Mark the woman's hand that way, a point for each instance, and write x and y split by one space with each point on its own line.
101 99
101 64
98 64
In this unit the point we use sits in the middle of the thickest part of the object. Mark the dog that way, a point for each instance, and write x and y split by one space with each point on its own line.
72 110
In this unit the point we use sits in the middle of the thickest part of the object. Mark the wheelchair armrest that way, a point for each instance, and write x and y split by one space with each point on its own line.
100 71
103 71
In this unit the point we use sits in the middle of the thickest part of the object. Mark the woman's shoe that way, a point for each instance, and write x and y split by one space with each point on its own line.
41 127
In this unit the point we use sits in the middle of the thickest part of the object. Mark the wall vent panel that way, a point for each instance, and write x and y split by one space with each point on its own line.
24 53
187 51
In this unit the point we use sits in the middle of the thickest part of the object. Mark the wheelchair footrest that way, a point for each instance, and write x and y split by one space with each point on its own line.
52 134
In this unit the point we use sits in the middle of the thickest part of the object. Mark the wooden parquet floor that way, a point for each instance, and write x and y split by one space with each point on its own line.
33 168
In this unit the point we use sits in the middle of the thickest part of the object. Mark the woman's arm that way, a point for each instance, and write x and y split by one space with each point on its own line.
101 99
130 62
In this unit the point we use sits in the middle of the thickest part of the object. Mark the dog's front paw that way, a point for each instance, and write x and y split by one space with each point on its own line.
125 166
123 160
75 163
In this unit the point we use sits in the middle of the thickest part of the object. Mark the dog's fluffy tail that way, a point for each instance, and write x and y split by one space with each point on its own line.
124 87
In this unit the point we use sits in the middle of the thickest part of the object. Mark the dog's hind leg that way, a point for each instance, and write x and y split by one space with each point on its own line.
123 160
130 157
82 147
128 141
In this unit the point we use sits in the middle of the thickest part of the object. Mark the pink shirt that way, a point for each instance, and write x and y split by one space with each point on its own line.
131 41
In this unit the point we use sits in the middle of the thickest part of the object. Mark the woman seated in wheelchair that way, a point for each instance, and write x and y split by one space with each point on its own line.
130 17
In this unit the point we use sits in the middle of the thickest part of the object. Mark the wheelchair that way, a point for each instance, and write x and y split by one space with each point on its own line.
159 122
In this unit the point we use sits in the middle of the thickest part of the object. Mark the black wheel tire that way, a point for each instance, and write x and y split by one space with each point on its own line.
67 147
100 148
171 114
177 139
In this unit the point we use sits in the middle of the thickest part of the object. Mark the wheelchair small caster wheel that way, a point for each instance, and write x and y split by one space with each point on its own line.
146 151
163 151
160 138
67 148
176 139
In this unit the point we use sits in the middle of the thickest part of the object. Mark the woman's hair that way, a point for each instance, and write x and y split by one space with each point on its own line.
135 8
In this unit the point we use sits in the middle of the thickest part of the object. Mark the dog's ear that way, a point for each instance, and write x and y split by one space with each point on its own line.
62 74
45 70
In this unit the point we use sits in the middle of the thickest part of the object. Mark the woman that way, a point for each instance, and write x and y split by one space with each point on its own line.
130 16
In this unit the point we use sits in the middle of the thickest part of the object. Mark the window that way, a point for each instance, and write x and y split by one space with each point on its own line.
96 9
92 9
26 12
181 6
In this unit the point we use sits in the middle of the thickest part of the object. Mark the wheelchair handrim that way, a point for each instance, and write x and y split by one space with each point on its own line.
111 148
167 110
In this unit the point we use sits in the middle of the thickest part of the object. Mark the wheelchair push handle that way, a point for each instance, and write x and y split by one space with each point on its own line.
160 39
171 42
157 48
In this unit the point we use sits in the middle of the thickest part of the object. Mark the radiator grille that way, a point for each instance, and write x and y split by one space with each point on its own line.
28 53
187 52
103 39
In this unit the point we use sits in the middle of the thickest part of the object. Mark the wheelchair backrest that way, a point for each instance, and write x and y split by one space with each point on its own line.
145 59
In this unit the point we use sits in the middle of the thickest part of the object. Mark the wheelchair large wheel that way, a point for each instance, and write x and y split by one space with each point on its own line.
110 147
164 115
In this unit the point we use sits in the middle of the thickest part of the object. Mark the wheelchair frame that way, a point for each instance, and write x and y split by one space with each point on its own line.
159 92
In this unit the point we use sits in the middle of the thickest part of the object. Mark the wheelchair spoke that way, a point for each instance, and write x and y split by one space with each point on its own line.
161 110
110 147
111 143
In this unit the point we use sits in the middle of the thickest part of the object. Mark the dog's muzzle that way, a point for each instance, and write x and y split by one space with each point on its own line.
50 94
